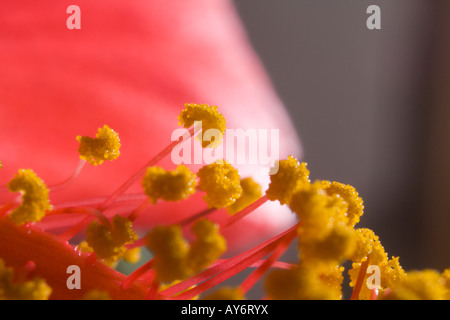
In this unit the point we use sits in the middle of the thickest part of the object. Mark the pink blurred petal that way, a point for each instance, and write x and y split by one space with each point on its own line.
133 65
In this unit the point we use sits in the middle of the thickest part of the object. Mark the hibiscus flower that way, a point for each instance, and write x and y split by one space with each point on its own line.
115 89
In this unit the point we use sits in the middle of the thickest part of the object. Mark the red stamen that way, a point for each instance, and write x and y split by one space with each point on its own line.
138 243
135 213
257 264
65 183
124 205
7 207
92 214
250 281
147 278
153 291
196 216
136 274
226 269
146 275
94 202
73 231
86 210
244 212
360 279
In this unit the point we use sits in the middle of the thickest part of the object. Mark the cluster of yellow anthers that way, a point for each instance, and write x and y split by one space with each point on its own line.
175 259
35 201
105 146
328 212
326 236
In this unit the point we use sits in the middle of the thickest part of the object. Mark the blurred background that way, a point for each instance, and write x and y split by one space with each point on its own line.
372 108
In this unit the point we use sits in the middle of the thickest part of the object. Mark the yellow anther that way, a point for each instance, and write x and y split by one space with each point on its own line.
105 146
290 175
367 242
170 251
338 245
221 183
208 246
317 211
350 196
333 278
110 262
418 285
445 280
300 283
35 289
391 272
172 185
35 200
312 206
132 255
324 234
175 259
108 241
225 293
210 119
251 191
